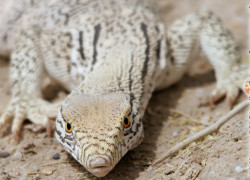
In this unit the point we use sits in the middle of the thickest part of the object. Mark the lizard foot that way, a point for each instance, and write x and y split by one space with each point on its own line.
230 92
37 110
230 86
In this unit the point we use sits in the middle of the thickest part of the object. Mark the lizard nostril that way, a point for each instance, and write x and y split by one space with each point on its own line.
99 162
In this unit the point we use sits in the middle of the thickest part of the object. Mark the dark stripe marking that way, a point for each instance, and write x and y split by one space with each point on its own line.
145 65
59 122
172 59
158 50
68 137
58 132
130 83
65 15
169 52
96 37
62 115
81 46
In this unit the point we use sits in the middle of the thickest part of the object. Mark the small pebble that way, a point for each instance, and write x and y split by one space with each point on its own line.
212 172
61 178
36 177
56 156
239 169
81 175
239 124
218 114
205 120
4 154
14 174
28 146
149 168
34 168
17 156
23 177
47 171
203 163
175 133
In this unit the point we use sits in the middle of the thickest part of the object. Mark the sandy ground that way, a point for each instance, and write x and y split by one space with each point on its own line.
222 155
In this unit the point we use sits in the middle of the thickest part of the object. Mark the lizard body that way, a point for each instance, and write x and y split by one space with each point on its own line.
111 56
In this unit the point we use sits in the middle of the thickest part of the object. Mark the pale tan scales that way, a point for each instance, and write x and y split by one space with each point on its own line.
110 56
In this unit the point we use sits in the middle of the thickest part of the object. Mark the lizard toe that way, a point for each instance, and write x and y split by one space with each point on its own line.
48 128
216 95
37 110
227 88
41 119
6 117
232 95
19 118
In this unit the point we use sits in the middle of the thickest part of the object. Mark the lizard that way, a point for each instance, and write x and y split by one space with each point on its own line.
111 56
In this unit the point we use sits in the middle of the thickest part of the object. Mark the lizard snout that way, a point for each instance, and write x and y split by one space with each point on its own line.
99 166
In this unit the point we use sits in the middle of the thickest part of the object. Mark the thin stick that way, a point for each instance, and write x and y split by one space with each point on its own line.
32 173
214 127
181 166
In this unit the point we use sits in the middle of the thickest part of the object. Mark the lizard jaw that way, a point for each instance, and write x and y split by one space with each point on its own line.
100 166
100 171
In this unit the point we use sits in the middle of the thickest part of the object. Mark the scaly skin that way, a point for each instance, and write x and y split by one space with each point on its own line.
111 55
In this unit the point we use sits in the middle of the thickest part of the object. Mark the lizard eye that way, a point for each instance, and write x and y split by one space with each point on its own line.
126 122
68 127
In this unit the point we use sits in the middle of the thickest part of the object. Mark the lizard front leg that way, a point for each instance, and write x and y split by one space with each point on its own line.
26 75
203 29
222 51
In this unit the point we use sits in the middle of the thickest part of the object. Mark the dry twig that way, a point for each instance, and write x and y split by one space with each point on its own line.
214 127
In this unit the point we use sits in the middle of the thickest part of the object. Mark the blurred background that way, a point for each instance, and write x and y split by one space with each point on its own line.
233 13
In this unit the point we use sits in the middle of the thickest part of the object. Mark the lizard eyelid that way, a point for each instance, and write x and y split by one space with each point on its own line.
126 122
68 127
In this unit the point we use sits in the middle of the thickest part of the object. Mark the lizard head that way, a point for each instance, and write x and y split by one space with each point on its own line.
97 130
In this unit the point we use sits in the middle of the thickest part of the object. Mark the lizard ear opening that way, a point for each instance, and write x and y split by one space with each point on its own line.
68 127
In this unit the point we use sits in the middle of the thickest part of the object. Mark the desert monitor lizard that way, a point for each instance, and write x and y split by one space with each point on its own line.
111 55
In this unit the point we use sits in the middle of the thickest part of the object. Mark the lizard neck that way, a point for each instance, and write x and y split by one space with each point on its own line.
125 69
128 70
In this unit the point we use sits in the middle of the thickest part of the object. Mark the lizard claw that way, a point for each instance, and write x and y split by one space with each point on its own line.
6 117
36 110
230 103
231 99
48 129
230 90
216 95
16 135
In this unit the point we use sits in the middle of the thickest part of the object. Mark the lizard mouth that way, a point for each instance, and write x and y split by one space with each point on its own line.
100 171
99 166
